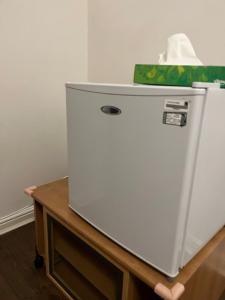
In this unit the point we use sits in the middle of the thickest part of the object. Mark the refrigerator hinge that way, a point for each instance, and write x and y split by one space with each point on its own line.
206 85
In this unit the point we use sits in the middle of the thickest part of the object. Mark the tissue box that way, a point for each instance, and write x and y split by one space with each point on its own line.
178 75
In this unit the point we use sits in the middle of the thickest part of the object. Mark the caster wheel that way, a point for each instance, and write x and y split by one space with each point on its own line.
38 262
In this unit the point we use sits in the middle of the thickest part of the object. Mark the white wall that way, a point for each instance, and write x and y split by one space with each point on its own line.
43 45
122 33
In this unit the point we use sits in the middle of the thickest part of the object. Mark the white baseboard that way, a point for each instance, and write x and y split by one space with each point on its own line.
17 219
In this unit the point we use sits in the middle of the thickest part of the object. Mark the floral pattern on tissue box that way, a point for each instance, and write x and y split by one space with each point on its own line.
178 75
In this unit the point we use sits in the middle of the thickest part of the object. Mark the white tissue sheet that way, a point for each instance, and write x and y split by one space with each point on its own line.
179 52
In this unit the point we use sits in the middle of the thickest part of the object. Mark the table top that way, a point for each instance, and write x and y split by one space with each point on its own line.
54 196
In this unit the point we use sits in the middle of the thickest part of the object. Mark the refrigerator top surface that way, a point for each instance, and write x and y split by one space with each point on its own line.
135 90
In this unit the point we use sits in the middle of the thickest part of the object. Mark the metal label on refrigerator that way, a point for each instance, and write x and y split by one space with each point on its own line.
176 105
175 118
175 112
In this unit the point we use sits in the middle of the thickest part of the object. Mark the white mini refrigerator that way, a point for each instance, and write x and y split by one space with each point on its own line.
147 167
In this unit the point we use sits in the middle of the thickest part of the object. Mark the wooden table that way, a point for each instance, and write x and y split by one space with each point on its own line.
87 265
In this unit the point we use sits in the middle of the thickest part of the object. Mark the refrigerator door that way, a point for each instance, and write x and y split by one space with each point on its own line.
130 166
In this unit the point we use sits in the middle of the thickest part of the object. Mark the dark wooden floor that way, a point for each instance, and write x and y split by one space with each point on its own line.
19 280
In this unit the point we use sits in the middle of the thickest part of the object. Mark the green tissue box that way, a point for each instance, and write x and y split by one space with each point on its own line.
178 75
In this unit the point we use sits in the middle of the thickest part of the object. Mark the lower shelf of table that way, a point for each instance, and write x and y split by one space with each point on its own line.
79 268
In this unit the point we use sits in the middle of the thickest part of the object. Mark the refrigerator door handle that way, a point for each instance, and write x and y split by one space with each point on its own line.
111 110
